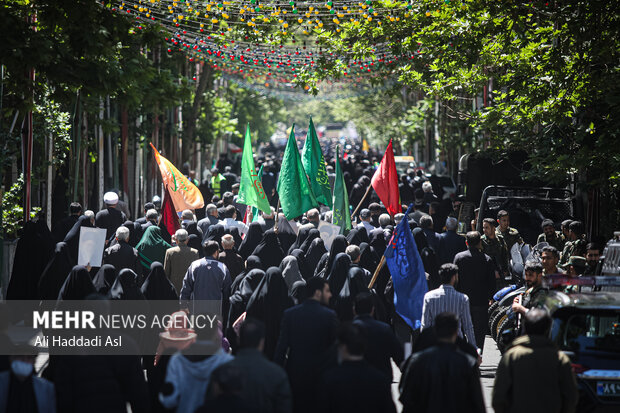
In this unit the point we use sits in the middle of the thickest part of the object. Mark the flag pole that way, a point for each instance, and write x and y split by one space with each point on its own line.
376 274
277 215
363 198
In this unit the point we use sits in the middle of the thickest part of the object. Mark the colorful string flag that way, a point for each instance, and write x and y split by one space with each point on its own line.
385 182
407 270
184 194
341 215
314 164
169 218
251 192
294 190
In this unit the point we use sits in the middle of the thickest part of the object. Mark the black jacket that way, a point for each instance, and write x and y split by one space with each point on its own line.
476 276
110 219
122 255
355 387
381 344
266 384
441 379
308 333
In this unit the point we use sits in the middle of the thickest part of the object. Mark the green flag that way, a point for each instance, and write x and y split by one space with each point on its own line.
251 190
314 164
254 209
296 196
341 215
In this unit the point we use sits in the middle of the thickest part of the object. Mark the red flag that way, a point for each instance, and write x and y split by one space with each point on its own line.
169 217
385 182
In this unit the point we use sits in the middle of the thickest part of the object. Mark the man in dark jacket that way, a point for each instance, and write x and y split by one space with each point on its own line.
477 280
441 378
111 217
62 228
308 332
354 386
450 243
382 345
533 375
122 255
147 206
266 385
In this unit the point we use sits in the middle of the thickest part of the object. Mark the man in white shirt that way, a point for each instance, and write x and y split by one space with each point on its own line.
447 299
365 217
230 222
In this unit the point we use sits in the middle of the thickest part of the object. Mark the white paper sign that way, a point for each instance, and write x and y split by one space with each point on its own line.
92 243
328 233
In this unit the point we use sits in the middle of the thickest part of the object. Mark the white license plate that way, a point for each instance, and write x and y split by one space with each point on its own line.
608 388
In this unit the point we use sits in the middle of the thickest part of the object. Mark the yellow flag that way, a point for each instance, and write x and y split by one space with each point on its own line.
365 146
184 194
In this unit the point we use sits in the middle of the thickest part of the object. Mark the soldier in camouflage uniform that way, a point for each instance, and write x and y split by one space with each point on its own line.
551 236
535 292
511 235
494 246
576 246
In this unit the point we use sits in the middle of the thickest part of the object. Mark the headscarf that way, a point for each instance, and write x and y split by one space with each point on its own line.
302 235
339 245
151 247
298 292
247 286
55 274
354 237
193 241
367 258
267 304
312 235
354 284
157 286
420 238
28 267
73 236
306 272
77 286
104 278
134 233
286 234
269 250
338 273
314 254
251 263
290 271
251 240
215 233
125 286
377 241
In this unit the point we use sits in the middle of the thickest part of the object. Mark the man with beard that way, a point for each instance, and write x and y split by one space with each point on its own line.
535 291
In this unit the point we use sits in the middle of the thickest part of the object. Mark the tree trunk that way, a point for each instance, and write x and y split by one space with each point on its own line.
204 75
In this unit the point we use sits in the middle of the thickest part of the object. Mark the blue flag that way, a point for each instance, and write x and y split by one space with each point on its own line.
407 270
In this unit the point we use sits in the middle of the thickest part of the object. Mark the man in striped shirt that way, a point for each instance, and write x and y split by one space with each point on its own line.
447 299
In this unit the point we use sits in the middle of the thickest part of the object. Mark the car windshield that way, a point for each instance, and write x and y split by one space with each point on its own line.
593 332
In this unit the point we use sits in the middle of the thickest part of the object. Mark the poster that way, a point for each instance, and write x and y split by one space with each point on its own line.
328 233
92 244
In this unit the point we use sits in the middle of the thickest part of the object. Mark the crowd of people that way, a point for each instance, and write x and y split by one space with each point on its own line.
302 326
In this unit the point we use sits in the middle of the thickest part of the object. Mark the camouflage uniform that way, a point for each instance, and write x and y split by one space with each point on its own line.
496 249
534 296
557 242
511 236
577 247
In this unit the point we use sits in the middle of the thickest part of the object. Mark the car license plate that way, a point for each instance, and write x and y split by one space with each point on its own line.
608 388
